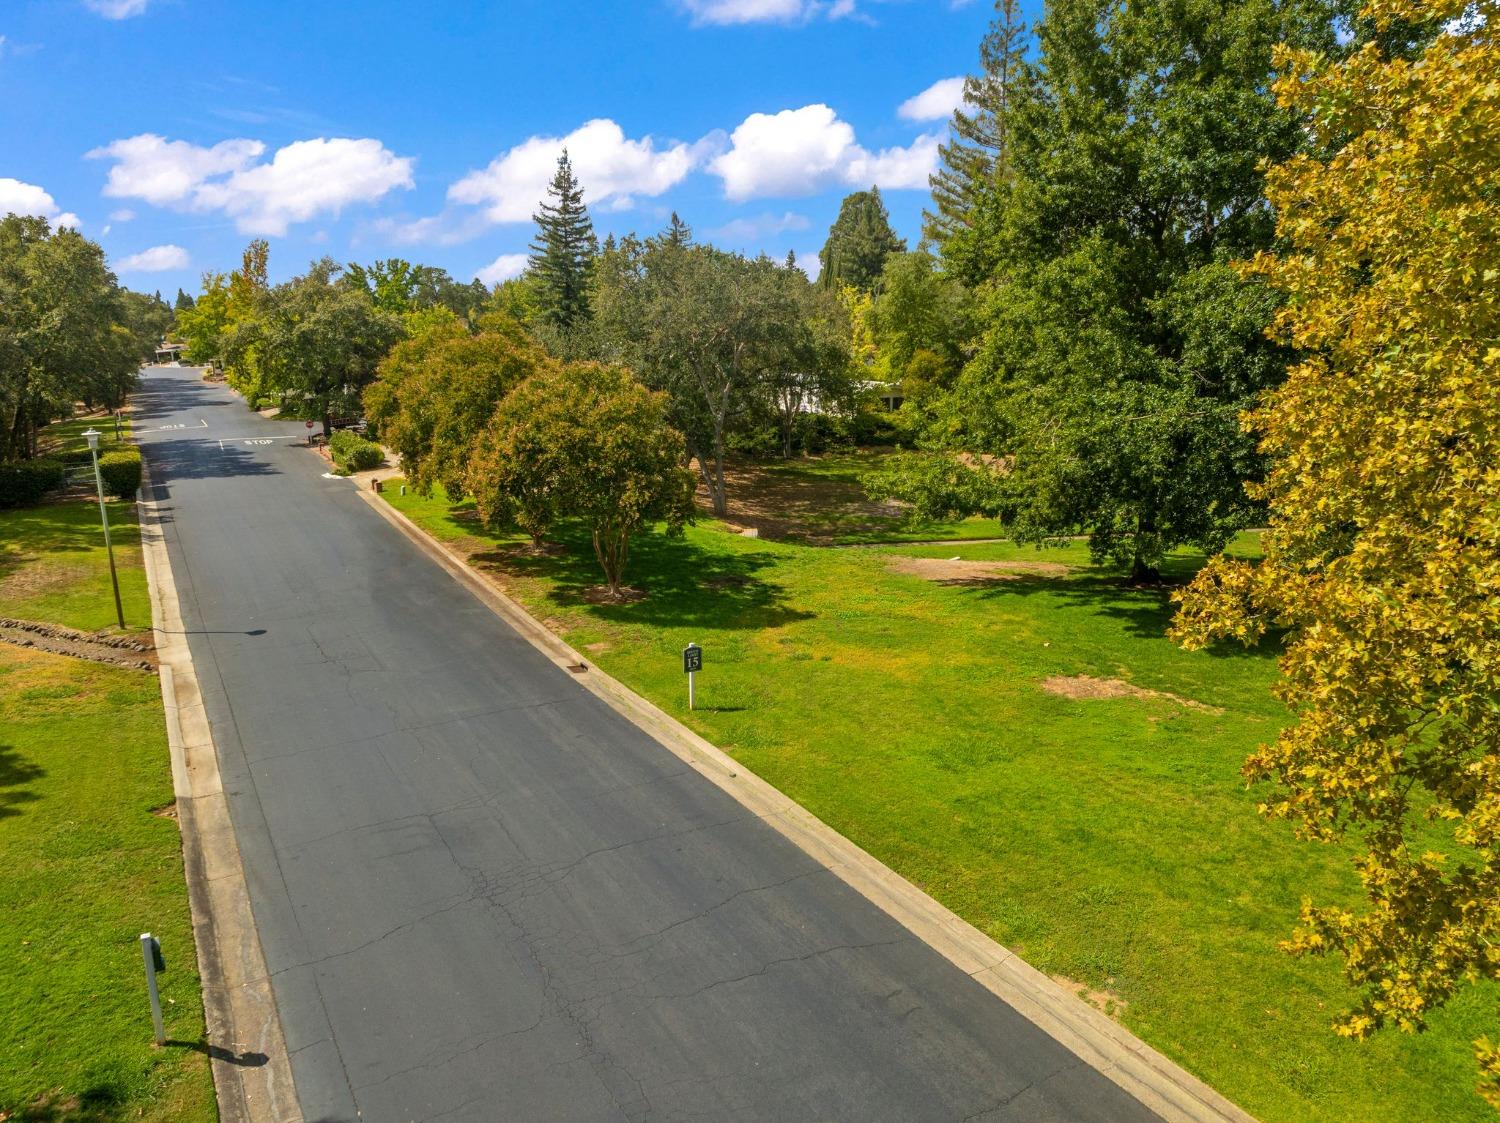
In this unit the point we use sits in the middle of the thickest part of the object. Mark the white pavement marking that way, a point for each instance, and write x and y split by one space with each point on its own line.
202 424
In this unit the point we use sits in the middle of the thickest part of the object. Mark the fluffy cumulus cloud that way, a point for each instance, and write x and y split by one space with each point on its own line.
117 9
304 180
503 268
17 197
155 260
802 151
612 168
936 103
752 228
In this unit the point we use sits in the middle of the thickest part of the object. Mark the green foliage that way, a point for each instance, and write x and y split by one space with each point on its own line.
923 325
203 323
562 256
859 241
434 394
24 482
353 453
587 442
120 469
1382 561
975 157
148 319
1119 348
65 331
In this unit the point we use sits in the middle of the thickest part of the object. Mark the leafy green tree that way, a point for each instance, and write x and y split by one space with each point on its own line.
321 341
435 393
704 326
1381 563
808 366
1119 347
923 323
147 318
859 241
203 324
976 155
562 256
587 442
65 334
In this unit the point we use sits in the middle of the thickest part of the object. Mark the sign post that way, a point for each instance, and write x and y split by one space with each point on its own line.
692 663
151 954
309 434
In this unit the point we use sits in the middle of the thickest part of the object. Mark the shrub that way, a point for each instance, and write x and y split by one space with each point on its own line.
26 481
353 453
121 471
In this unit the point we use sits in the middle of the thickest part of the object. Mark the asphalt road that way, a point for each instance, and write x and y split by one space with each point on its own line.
484 895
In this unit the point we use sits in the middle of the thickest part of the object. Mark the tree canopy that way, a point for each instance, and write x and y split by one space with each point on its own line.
562 256
586 441
859 241
1382 558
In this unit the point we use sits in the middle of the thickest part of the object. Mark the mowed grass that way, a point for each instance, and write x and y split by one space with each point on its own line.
62 437
1113 842
54 567
88 865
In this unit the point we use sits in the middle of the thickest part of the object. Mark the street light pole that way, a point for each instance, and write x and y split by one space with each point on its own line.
92 436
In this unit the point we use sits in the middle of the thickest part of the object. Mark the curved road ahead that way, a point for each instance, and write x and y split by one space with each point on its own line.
483 894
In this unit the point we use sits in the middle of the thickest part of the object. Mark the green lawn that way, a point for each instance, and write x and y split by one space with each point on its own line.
1112 842
62 437
88 865
54 568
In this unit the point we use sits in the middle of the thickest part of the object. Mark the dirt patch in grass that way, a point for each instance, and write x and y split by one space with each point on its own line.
955 571
1086 688
601 594
1106 1000
136 652
27 581
791 500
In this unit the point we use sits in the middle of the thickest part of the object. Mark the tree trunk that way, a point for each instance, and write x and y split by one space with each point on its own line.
327 425
612 548
716 485
788 423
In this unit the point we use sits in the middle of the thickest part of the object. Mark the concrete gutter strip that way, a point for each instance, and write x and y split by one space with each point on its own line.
1158 1083
247 1051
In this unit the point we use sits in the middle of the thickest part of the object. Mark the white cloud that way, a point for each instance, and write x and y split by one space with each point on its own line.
154 260
802 151
752 228
17 197
612 168
301 181
117 9
124 214
729 12
936 103
503 268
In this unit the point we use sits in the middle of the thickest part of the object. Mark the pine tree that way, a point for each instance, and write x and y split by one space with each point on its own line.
677 233
977 154
562 256
184 301
858 243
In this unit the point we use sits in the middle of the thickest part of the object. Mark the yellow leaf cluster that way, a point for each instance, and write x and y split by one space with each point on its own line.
1382 561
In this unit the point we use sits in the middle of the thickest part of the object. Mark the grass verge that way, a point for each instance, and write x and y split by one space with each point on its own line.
1109 840
91 852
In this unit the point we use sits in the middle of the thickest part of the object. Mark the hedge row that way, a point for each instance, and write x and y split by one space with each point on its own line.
353 453
121 471
25 482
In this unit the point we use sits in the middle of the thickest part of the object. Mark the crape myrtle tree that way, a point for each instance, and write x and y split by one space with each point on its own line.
859 241
586 441
435 393
1119 345
1381 563
66 332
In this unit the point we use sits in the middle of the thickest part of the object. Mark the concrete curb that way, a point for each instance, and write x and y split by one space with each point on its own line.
252 1073
1158 1083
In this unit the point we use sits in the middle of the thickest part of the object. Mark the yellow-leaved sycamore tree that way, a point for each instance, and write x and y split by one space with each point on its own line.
1382 559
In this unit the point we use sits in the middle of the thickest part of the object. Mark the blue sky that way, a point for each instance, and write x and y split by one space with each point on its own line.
173 131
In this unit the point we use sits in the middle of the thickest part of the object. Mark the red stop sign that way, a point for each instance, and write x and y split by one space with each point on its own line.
309 424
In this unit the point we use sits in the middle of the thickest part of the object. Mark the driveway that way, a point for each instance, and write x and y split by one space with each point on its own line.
485 895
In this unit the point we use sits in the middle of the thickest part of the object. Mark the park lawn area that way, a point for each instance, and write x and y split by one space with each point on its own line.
818 500
54 568
66 436
88 865
1110 841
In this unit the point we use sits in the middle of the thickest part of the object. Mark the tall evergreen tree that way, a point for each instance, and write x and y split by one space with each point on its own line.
184 301
859 241
677 233
977 153
562 257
